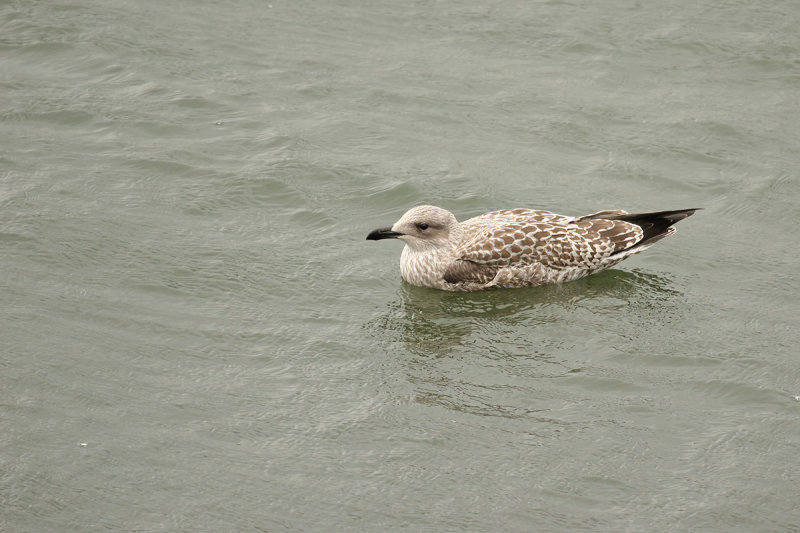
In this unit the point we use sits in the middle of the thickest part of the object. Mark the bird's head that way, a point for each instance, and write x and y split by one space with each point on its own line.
422 227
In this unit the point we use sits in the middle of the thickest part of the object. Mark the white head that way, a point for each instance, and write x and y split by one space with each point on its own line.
422 227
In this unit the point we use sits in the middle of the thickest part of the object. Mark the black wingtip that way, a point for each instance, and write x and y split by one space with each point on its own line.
676 216
655 226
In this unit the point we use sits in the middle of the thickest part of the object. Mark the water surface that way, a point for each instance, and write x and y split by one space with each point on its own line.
195 335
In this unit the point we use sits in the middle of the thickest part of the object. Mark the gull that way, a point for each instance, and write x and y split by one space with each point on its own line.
519 247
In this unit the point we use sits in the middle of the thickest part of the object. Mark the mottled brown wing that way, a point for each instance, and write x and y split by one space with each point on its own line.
478 263
577 243
462 271
619 234
517 216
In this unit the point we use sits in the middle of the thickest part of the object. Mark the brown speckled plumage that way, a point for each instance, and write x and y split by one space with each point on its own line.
519 247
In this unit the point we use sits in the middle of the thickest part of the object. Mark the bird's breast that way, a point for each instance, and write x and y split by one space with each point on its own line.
424 268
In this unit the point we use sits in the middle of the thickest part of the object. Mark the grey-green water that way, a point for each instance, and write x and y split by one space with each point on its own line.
195 335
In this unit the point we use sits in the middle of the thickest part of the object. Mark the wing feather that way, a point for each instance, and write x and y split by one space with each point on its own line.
517 238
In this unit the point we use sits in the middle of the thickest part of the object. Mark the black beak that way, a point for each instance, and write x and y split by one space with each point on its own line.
383 233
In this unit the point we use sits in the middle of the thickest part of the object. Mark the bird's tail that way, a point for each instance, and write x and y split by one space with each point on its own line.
655 225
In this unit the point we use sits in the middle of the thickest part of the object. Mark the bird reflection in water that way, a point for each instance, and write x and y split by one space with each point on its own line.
498 352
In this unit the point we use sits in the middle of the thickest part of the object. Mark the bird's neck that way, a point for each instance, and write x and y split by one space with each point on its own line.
425 266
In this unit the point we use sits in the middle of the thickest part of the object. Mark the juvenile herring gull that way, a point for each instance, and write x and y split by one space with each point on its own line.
519 247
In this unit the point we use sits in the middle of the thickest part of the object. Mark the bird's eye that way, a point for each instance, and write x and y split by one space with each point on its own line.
422 226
